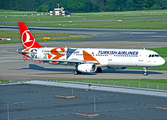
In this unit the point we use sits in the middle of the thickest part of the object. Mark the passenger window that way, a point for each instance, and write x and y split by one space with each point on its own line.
152 55
149 56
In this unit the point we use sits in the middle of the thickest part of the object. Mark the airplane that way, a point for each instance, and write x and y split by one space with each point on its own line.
87 60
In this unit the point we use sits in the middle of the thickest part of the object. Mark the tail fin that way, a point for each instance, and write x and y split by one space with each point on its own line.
28 40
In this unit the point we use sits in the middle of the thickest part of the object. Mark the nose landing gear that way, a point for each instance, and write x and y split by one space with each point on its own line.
145 71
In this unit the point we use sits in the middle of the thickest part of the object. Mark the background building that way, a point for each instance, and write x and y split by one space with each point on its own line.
59 11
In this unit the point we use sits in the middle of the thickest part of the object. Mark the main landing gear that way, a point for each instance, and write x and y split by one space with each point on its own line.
99 70
145 71
76 72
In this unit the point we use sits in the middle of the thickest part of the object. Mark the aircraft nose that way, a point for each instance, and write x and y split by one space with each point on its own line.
161 61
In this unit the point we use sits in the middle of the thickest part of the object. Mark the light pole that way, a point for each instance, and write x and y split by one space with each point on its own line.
94 104
7 111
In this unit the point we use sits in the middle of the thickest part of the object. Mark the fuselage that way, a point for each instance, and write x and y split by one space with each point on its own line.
104 57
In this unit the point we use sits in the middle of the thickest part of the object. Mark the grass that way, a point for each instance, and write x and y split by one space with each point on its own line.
72 37
125 24
142 83
16 36
8 15
3 80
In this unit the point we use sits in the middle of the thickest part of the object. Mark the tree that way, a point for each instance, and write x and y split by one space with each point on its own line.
130 5
109 6
164 4
82 5
79 6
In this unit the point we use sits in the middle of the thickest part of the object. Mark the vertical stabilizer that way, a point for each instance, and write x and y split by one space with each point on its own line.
28 40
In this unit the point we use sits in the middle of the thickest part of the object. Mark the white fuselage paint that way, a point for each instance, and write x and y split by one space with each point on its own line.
104 57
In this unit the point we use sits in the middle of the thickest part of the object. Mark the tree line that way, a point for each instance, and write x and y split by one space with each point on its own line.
83 5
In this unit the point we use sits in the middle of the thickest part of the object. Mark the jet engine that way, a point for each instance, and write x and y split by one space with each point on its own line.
89 68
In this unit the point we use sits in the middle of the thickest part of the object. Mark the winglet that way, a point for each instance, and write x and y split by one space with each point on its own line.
28 41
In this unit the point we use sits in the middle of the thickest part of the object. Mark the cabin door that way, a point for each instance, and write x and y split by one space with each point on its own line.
141 56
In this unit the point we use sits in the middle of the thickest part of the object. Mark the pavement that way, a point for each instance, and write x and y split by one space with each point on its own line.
38 102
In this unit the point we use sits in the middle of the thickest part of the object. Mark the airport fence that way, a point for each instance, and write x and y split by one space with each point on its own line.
130 83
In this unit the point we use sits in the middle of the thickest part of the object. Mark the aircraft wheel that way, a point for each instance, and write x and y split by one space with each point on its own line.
146 73
76 72
99 70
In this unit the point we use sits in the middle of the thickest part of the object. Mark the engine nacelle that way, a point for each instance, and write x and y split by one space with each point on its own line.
89 68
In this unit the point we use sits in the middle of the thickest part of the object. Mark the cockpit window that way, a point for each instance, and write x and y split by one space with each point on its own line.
156 55
153 55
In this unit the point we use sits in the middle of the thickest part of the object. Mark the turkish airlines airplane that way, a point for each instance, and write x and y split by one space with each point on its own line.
87 60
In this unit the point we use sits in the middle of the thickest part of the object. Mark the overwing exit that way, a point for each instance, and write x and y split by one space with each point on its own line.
87 60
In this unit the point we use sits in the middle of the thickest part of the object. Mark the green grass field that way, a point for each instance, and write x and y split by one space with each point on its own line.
57 36
3 80
125 24
16 34
8 15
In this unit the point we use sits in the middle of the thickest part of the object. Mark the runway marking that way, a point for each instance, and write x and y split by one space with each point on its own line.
130 34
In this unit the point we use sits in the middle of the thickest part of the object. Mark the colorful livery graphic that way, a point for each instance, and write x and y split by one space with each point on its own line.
87 60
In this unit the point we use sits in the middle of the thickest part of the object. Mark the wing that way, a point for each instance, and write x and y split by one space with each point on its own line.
69 61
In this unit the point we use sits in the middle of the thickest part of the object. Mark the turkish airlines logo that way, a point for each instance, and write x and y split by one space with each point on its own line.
27 39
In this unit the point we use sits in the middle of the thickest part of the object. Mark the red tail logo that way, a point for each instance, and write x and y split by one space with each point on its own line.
28 40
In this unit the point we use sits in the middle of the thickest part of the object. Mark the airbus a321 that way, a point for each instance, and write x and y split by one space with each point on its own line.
87 60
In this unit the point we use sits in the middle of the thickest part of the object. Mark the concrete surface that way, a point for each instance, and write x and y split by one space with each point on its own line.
38 102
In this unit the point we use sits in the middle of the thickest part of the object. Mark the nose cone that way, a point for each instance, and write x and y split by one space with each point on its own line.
161 61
